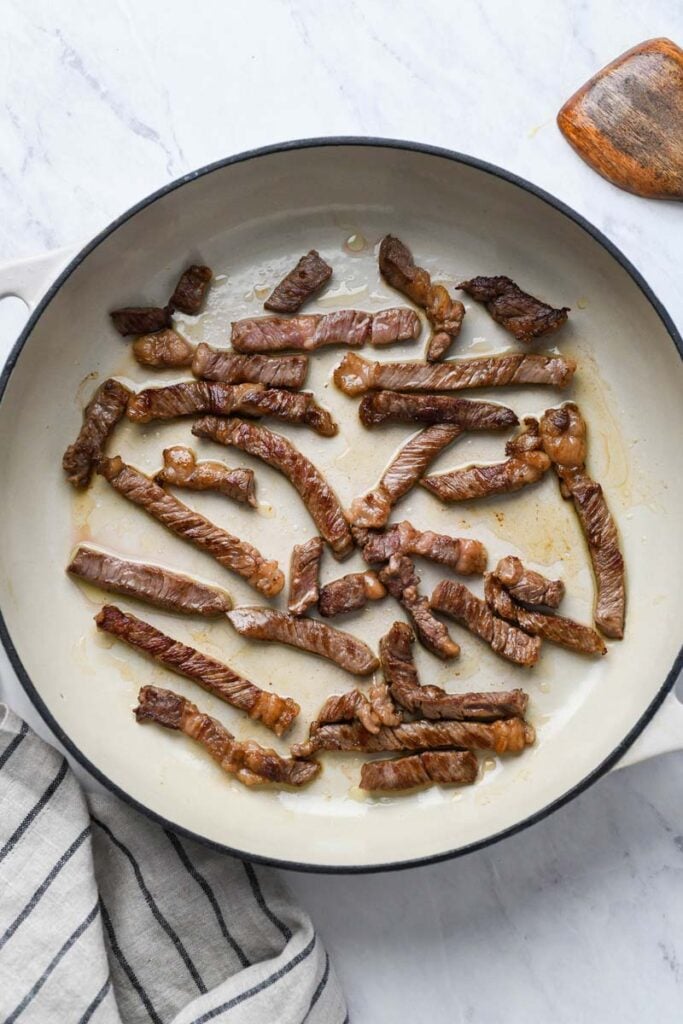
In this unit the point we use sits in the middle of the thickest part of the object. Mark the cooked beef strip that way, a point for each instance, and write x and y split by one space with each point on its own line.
247 760
165 350
349 707
400 407
277 713
192 286
402 582
220 399
317 495
458 553
307 333
101 414
437 766
526 585
445 314
564 437
308 635
555 628
229 551
455 600
405 469
349 594
504 736
433 702
303 576
356 375
151 583
232 368
526 464
382 703
302 282
141 319
181 469
517 311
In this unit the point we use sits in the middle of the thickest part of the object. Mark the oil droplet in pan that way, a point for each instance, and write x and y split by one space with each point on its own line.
356 243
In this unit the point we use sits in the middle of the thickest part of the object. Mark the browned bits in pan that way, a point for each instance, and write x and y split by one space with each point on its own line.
191 289
302 282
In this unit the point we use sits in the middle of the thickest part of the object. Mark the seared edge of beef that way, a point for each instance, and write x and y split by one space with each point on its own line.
141 319
528 586
181 469
231 552
306 333
455 600
247 760
518 312
304 570
232 368
151 583
402 473
345 650
461 554
504 736
191 289
349 707
302 282
403 407
402 582
274 449
275 712
100 416
349 593
444 767
163 350
563 432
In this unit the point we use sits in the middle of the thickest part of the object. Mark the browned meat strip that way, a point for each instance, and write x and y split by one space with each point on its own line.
355 375
459 553
317 495
277 713
164 350
349 707
517 311
401 580
504 736
229 551
192 286
141 319
215 397
303 576
181 469
397 407
405 469
102 413
151 583
308 635
564 436
445 767
303 281
433 702
526 464
349 594
343 327
528 586
247 760
455 600
232 368
444 313
554 628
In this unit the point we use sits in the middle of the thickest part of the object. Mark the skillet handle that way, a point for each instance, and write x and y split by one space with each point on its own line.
663 735
29 279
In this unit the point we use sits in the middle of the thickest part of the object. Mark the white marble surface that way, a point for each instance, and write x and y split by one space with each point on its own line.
579 919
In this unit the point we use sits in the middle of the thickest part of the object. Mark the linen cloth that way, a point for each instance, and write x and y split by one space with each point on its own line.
110 918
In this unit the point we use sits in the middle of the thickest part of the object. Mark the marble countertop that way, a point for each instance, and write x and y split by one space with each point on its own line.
578 919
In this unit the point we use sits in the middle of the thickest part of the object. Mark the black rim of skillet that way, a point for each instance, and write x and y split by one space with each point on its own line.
252 154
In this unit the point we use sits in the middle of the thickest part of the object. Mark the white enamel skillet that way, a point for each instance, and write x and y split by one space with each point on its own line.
250 217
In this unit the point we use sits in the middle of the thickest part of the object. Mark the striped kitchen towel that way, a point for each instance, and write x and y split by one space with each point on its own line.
107 917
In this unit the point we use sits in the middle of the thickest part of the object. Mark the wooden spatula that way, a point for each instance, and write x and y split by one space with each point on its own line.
627 121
